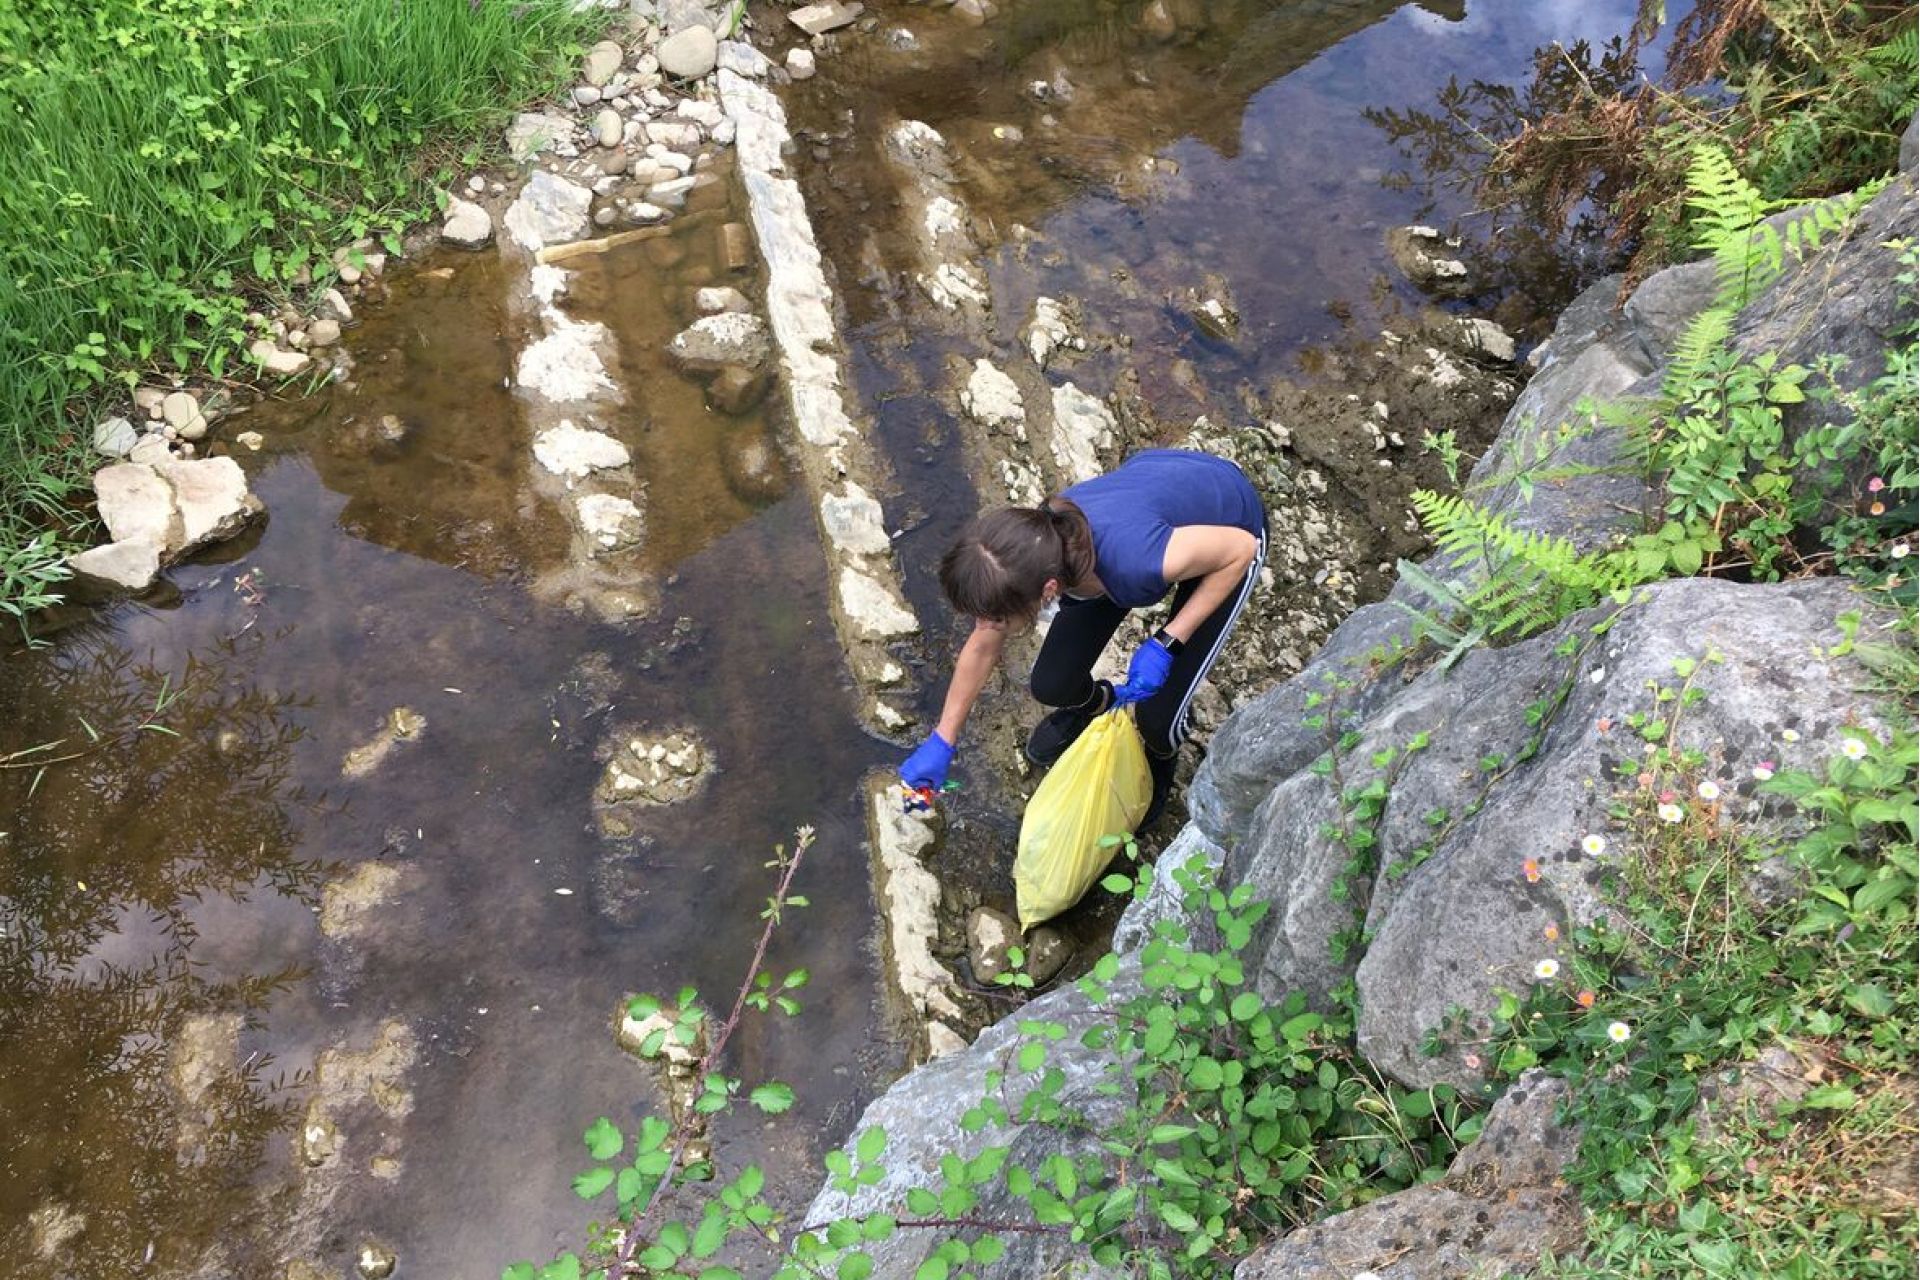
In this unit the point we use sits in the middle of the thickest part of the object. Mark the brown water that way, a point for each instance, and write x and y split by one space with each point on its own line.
168 869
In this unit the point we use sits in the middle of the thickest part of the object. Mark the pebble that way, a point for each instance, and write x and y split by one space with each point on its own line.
801 64
476 184
689 54
250 440
586 95
179 408
608 128
323 332
115 437
604 216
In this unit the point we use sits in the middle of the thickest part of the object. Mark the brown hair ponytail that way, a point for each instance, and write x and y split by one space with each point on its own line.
1001 564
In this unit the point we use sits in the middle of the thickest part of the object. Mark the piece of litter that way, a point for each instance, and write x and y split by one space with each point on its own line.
451 689
565 893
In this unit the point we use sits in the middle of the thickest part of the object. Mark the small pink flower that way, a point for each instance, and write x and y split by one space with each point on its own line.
1763 770
1876 484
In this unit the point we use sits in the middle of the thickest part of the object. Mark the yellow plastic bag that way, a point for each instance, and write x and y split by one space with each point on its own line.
1100 787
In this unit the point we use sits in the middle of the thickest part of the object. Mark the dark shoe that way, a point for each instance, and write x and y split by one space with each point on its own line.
1161 767
1052 736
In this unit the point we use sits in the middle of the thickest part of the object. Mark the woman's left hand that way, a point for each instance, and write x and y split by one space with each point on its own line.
1146 674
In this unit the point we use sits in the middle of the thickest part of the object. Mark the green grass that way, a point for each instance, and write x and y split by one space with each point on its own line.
163 156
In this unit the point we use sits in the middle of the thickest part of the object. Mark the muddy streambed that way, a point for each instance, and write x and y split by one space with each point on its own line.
315 932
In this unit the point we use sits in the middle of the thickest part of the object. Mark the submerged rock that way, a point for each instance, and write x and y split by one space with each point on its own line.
712 343
609 523
716 300
1424 256
753 469
735 390
403 724
347 901
565 365
658 769
575 453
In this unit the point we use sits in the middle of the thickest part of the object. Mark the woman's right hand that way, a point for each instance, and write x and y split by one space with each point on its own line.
928 765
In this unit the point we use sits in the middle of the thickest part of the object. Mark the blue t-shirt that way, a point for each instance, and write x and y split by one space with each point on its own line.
1135 508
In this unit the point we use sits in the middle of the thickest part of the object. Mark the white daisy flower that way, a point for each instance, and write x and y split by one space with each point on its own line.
1709 790
1593 844
1853 749
1671 813
1763 771
1789 735
1619 1032
1546 970
1901 550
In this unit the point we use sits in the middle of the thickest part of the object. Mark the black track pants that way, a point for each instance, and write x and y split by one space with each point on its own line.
1063 673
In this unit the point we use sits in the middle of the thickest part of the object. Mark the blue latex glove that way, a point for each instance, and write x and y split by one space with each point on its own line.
928 765
1146 674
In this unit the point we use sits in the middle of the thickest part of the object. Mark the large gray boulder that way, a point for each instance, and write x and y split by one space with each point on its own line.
1449 906
921 1114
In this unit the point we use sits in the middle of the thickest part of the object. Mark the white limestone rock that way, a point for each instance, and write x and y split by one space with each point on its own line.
574 453
549 210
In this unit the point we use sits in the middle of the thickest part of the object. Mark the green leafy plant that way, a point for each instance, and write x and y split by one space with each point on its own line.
1239 1119
1654 1016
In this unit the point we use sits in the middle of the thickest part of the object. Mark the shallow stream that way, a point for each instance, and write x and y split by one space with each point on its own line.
241 860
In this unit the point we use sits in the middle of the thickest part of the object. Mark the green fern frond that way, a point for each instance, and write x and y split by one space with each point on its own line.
1532 579
1705 338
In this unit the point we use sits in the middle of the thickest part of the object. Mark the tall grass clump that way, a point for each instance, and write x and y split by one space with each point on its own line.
160 155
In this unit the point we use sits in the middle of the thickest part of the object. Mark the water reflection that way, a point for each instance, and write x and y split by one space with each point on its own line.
132 795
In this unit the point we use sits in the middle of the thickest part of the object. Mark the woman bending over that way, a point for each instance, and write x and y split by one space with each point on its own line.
1166 519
